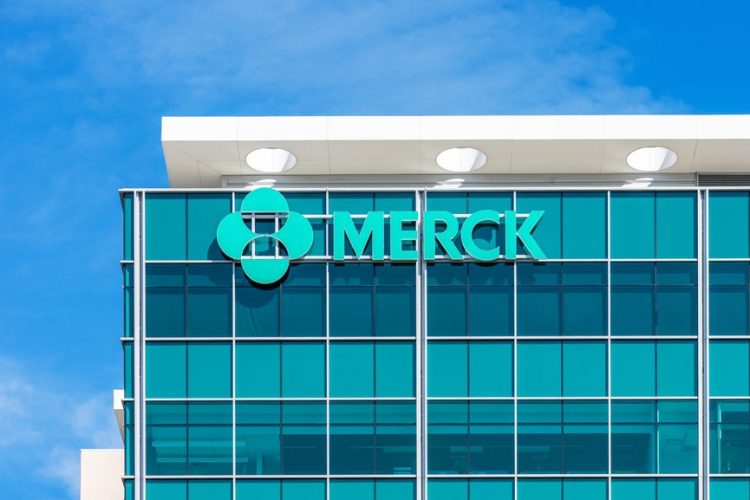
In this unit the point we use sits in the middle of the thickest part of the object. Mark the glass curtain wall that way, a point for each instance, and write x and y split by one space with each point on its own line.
577 377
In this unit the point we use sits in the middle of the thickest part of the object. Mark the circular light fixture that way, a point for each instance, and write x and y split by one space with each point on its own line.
270 160
461 159
652 159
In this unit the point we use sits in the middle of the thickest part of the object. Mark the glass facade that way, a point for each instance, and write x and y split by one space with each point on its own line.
617 368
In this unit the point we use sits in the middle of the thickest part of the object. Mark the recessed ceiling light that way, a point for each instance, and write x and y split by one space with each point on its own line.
461 159
652 159
270 160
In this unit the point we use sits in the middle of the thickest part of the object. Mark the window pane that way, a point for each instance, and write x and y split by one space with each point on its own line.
585 440
490 489
675 225
728 224
730 489
166 438
586 489
447 369
210 490
349 489
584 369
166 365
539 369
531 300
491 437
127 352
302 312
446 310
491 311
633 437
490 369
548 232
539 438
677 488
210 438
394 489
448 489
257 312
352 437
351 311
396 439
302 370
728 298
394 369
352 369
535 489
127 226
448 440
165 226
209 370
258 439
633 368
730 437
678 437
729 367
676 364
584 223
395 311
303 439
165 312
204 212
258 370
209 312
258 490
303 489
632 219
628 489
166 490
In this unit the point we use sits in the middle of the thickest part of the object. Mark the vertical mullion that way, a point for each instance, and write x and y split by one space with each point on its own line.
327 394
138 368
234 370
420 304
609 344
704 408
515 368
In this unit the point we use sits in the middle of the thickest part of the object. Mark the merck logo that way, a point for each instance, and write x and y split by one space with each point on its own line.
295 236
434 228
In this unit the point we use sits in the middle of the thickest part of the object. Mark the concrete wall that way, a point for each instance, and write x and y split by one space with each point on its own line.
101 474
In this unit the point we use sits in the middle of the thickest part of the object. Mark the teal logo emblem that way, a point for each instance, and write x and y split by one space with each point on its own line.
235 237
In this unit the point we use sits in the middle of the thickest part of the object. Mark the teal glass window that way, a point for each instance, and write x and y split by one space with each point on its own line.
654 437
573 296
730 437
470 489
729 298
729 224
198 370
585 437
166 365
648 225
258 372
470 437
288 489
585 489
367 369
584 225
209 371
664 368
165 300
532 489
730 489
729 365
129 437
654 299
473 299
477 369
287 369
128 311
539 369
380 297
281 438
209 300
257 310
204 212
127 225
127 354
654 489
166 490
584 369
540 437
373 437
209 490
556 489
166 226
189 438
364 489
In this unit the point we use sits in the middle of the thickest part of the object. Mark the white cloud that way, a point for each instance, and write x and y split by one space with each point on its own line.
379 57
43 426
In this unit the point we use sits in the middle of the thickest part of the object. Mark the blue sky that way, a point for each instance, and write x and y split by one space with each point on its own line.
83 86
